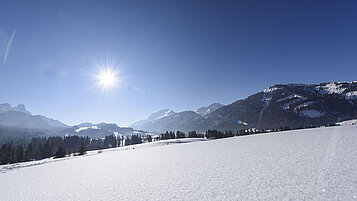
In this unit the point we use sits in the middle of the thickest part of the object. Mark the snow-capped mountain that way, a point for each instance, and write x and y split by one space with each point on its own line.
169 120
294 105
160 114
152 118
21 118
206 111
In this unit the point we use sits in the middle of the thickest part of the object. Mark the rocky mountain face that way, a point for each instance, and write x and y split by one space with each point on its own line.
206 111
21 118
6 107
293 105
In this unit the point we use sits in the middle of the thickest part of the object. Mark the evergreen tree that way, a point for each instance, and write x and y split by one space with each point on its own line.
19 154
82 149
5 154
29 152
60 153
149 138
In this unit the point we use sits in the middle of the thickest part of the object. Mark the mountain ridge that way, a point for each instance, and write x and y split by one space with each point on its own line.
19 117
293 105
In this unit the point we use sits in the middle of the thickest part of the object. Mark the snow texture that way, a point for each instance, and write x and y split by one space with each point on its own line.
205 111
291 97
167 113
86 128
348 122
309 164
331 88
270 89
351 95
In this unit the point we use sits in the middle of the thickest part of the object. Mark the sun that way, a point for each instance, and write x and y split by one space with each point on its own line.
107 78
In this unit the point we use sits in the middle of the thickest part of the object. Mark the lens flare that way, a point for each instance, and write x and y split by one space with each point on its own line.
8 46
107 79
242 122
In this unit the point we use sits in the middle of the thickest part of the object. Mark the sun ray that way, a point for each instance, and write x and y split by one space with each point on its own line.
107 79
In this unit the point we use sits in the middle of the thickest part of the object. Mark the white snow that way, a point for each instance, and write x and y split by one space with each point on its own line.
351 95
207 112
348 123
167 113
85 128
270 89
305 104
309 164
291 97
331 88
312 113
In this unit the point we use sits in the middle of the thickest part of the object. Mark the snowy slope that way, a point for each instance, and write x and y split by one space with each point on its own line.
348 123
311 164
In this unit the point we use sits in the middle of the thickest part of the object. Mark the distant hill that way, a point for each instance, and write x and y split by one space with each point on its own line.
99 130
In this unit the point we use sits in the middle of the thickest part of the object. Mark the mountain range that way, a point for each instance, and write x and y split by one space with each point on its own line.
167 119
293 105
16 123
19 117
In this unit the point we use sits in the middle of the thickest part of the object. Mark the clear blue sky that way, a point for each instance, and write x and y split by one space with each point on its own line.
174 54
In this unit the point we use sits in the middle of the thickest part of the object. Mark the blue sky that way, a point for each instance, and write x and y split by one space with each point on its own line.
171 54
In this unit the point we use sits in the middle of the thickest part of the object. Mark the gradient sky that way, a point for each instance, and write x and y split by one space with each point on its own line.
173 54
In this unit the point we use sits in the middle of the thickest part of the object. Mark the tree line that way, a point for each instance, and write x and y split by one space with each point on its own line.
57 147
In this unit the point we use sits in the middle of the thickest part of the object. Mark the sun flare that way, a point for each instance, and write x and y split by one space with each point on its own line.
107 79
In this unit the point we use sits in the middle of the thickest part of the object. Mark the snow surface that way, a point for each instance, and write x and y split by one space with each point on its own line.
348 123
205 111
167 113
351 95
309 164
270 89
331 88
86 128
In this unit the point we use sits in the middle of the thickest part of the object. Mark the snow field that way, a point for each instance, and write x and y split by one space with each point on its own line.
309 164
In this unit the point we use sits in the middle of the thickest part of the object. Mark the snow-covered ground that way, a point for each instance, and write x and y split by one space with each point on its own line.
348 123
309 164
